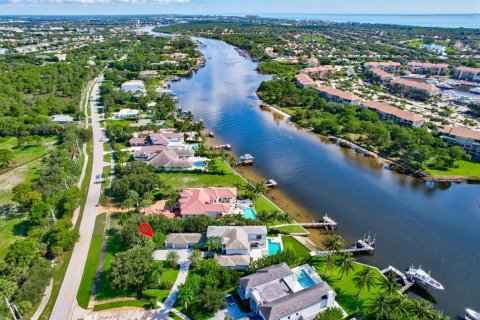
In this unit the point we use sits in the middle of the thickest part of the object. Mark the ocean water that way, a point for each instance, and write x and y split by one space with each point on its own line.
421 20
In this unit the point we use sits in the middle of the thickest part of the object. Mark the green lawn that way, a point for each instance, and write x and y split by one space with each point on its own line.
118 304
90 271
263 204
11 228
174 316
292 229
120 123
465 168
293 244
415 43
24 154
106 158
161 295
169 276
345 288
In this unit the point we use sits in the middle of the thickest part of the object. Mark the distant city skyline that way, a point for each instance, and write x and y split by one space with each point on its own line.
236 7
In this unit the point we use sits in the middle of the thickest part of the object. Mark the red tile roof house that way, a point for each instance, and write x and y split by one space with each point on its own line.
414 89
312 62
304 81
214 202
467 139
379 74
467 73
388 66
427 68
335 95
320 72
387 112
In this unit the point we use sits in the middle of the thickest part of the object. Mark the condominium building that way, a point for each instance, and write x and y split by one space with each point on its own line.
467 73
387 112
467 139
428 68
414 89
336 95
388 66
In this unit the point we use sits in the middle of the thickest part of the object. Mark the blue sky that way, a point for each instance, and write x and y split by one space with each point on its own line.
237 6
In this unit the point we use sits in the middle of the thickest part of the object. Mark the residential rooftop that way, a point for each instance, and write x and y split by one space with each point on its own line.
386 108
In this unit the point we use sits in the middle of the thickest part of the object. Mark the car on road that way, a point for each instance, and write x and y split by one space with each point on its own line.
230 299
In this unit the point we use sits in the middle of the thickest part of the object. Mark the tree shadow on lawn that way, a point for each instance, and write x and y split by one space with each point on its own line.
21 228
349 301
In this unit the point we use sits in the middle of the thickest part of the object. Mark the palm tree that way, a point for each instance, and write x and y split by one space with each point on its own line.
389 284
438 315
335 243
157 271
186 294
260 187
195 257
131 199
364 278
285 217
172 258
146 200
397 305
380 306
420 309
275 214
345 264
213 244
329 263
264 217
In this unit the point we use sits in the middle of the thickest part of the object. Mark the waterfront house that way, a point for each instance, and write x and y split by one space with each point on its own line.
388 66
467 139
387 112
170 160
304 81
336 95
61 119
278 292
379 74
236 242
135 87
320 72
467 73
183 240
127 114
428 68
148 73
312 62
414 89
214 202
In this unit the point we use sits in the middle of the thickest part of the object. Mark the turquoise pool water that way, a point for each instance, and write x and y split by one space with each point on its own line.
304 279
249 213
273 247
195 147
199 164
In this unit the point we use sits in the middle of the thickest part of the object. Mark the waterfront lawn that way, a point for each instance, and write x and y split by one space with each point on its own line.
469 168
90 271
263 204
294 245
292 229
345 287
12 227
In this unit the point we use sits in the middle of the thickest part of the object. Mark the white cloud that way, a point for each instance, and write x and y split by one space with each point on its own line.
90 1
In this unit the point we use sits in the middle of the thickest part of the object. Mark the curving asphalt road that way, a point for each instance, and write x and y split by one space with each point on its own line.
68 292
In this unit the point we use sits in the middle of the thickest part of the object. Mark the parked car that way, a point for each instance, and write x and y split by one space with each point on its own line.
230 299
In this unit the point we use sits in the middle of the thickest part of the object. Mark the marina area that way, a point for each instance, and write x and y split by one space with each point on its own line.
315 177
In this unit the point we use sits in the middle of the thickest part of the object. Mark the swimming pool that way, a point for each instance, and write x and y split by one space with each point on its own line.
273 247
199 164
249 213
304 279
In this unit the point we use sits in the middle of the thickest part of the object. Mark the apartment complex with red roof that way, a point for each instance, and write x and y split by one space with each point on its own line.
467 139
319 72
380 75
304 81
401 117
214 202
336 95
414 89
467 73
427 68
388 66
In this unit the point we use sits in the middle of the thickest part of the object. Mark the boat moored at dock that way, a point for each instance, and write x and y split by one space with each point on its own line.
422 278
472 314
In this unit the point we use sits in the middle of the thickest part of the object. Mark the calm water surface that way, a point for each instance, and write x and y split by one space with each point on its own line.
437 226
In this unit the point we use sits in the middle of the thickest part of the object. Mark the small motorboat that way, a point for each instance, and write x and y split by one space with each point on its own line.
246 157
475 90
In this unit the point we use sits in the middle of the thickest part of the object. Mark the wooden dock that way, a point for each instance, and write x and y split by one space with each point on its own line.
407 284
325 223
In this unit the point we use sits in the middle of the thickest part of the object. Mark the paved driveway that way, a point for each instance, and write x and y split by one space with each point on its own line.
162 254
230 311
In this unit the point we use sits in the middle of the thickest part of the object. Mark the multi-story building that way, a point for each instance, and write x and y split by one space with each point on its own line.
428 68
319 72
467 139
336 95
304 81
467 73
388 66
387 112
414 89
380 75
